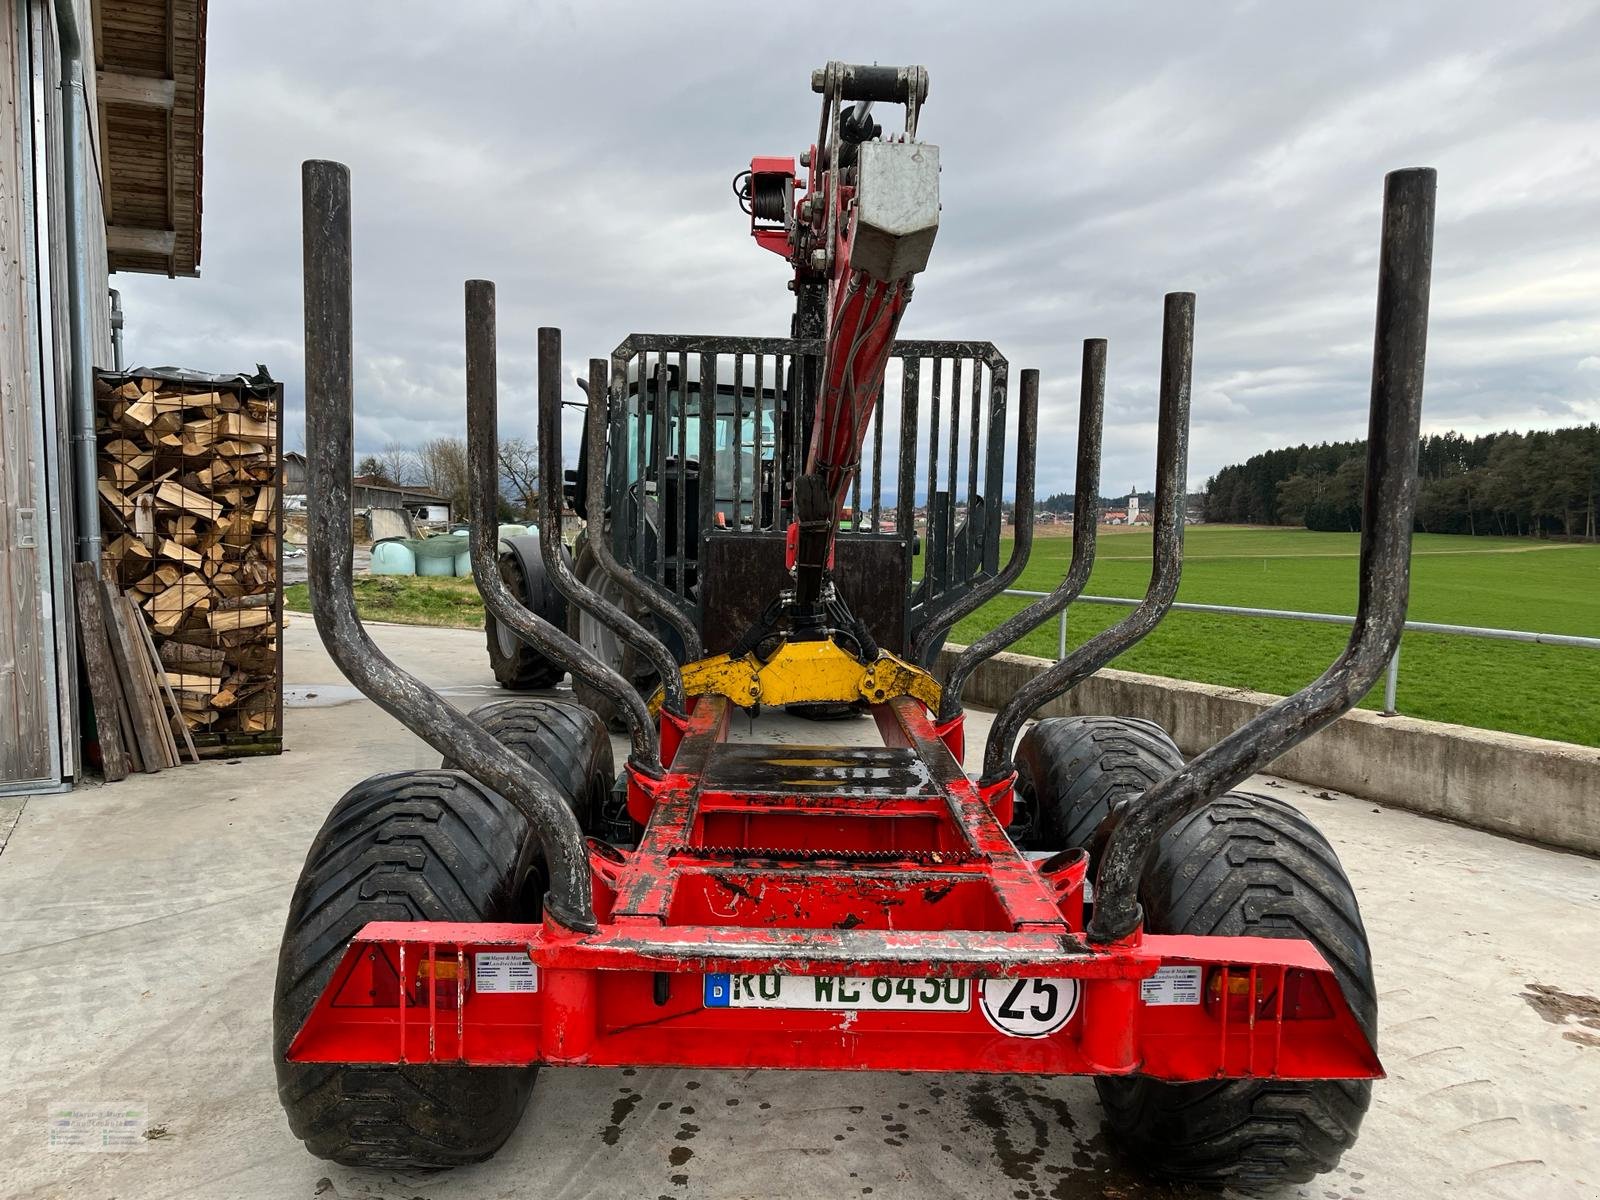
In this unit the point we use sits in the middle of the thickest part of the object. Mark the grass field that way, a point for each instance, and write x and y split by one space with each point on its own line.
423 600
1509 583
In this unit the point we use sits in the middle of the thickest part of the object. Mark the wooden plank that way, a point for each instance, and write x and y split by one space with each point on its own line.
123 450
166 686
247 428
183 554
113 497
179 496
133 239
148 670
138 415
266 500
104 689
114 87
239 618
146 731
203 685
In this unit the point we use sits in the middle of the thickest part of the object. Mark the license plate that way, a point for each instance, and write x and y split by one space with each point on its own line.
880 992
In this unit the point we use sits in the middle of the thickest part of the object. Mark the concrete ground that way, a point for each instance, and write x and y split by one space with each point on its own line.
141 924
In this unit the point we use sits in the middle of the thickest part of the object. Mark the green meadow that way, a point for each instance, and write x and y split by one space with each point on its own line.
1507 583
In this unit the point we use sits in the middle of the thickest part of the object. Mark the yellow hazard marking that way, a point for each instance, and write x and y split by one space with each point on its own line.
806 673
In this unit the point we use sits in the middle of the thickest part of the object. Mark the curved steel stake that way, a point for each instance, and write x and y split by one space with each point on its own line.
1172 453
483 488
638 585
941 622
1091 409
550 497
1405 266
325 200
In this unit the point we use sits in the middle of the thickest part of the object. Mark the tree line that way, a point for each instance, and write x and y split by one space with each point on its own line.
440 466
1543 483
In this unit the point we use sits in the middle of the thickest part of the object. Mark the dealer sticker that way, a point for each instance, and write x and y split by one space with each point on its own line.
497 972
1171 985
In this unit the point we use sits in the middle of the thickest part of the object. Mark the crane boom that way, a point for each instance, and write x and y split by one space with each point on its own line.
857 233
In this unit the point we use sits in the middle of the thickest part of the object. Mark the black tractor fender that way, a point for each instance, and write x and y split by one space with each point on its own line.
540 591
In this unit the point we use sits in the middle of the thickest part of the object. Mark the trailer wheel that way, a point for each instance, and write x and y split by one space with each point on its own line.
1249 865
517 666
1071 770
566 743
596 637
410 846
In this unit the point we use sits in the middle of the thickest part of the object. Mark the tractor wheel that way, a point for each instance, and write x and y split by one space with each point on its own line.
596 637
409 846
566 743
1249 866
1071 770
519 667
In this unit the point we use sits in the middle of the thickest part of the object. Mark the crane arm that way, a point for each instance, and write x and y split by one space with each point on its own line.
857 232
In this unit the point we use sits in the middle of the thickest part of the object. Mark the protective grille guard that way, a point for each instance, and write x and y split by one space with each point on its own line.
967 386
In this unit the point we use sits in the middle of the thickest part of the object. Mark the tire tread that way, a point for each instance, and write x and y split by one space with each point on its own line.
1249 865
409 846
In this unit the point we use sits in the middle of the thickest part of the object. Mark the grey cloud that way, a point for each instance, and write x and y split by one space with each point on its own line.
1094 158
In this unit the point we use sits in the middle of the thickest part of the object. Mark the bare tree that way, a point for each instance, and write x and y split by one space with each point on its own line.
519 475
397 464
442 469
440 466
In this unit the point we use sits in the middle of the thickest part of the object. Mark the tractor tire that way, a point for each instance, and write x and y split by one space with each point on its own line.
566 743
592 634
517 666
1072 770
1249 865
408 846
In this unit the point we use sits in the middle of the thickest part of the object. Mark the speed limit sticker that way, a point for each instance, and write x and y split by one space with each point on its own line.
1031 1008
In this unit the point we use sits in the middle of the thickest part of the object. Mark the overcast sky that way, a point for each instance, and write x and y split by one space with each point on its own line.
1095 157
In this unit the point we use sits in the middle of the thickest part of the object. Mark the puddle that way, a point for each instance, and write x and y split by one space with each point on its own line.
320 695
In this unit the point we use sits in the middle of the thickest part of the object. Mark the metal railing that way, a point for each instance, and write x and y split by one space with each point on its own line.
1391 678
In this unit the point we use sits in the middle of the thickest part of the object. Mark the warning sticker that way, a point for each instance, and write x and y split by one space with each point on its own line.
512 972
1171 985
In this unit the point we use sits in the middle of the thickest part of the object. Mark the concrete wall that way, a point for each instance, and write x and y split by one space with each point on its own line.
1547 792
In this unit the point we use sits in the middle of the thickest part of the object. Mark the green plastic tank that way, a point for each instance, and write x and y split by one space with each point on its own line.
392 556
436 555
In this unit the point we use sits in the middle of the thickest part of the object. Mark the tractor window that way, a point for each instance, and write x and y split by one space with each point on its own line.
756 440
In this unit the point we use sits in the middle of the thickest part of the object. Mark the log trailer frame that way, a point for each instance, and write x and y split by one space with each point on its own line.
825 907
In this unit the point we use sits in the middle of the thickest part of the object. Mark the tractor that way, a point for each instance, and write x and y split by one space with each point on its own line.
799 521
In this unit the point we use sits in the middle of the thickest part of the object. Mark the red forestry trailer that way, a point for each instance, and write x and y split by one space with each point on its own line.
1089 903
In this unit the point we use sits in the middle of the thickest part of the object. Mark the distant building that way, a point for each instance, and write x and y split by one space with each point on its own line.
368 491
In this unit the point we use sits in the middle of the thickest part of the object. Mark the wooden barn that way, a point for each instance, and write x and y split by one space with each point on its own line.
101 116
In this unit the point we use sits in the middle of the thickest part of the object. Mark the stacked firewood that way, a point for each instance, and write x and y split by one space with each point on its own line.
189 472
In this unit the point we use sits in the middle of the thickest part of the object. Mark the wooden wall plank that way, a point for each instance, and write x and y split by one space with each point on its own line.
27 689
146 729
104 689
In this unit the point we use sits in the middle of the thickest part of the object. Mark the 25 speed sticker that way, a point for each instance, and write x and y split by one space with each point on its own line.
1031 1008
